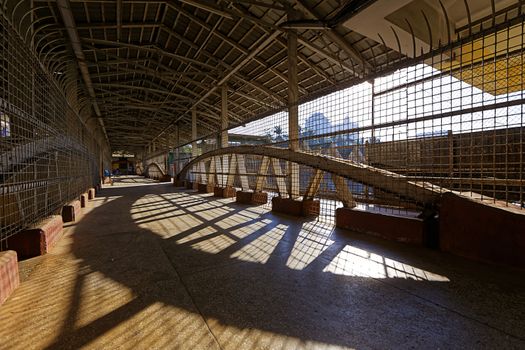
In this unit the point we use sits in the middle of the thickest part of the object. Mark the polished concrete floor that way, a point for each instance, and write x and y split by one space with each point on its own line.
152 267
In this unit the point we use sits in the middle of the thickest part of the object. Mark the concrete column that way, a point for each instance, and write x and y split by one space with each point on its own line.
194 132
293 108
176 155
224 132
224 116
193 136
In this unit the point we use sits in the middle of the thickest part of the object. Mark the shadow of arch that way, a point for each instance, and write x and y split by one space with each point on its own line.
309 305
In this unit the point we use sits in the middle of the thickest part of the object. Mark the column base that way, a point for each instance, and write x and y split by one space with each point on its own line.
179 183
83 200
309 207
256 198
71 212
224 192
205 188
165 178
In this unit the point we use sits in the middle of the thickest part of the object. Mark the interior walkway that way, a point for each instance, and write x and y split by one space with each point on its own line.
152 267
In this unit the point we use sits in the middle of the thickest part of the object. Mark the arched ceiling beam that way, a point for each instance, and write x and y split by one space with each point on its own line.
337 38
69 22
143 88
148 48
387 181
268 27
263 43
239 75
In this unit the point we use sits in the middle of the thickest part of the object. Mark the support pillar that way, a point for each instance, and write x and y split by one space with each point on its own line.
224 116
176 154
224 132
293 109
194 139
176 161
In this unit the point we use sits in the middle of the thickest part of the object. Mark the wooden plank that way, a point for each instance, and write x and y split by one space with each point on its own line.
211 171
218 169
241 166
313 185
343 192
261 177
231 172
277 170
223 178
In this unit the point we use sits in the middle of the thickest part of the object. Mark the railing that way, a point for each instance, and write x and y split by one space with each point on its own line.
452 117
48 156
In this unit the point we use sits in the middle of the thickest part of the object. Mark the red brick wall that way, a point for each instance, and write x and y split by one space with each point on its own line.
482 232
397 228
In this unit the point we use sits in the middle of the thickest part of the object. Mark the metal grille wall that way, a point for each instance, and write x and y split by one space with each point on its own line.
451 119
47 155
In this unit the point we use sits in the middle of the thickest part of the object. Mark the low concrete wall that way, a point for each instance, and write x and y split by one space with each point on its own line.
482 232
391 227
37 240
9 277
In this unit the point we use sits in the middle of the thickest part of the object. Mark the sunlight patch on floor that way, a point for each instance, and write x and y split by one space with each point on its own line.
246 230
312 241
260 249
201 233
157 326
352 261
238 218
232 337
214 245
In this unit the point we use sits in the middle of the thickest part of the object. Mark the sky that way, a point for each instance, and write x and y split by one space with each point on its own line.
433 97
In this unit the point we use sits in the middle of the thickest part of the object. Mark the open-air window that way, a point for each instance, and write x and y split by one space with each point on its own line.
5 125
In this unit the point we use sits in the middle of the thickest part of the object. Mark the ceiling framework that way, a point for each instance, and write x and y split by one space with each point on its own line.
144 64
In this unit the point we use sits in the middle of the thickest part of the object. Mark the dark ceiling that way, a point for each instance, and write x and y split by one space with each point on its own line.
145 64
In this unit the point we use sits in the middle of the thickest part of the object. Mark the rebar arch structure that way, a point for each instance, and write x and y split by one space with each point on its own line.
428 91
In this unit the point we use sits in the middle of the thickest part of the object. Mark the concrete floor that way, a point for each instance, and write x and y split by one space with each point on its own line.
152 267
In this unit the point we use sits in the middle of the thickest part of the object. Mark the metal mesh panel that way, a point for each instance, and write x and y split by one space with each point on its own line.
452 120
47 156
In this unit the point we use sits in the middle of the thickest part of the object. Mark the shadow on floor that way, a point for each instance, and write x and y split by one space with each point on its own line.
264 281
